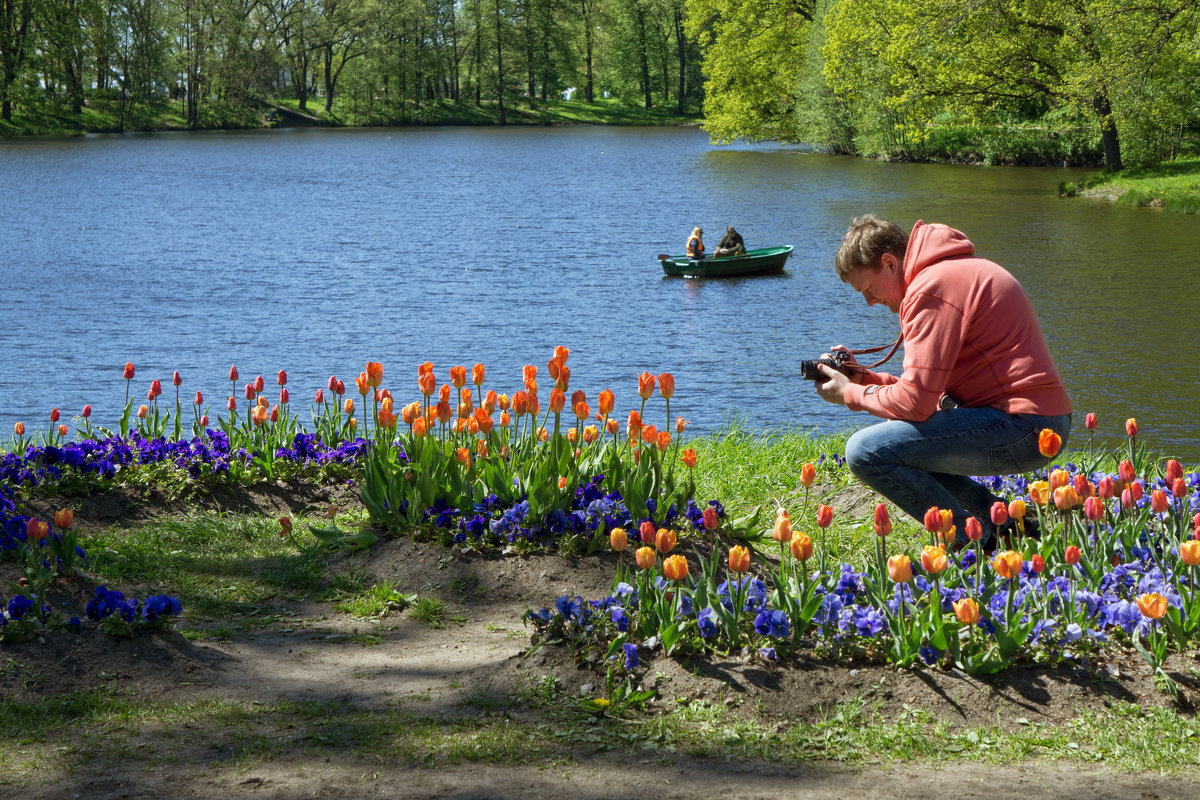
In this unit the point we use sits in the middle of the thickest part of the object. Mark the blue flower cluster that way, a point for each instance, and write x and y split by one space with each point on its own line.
108 602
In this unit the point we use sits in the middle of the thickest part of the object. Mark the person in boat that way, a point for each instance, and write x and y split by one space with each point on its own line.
695 243
978 386
731 244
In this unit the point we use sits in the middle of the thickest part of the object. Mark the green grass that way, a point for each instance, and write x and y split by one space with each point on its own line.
430 611
222 567
1174 185
377 600
83 729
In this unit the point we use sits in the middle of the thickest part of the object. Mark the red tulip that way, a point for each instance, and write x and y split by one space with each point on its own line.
204 421
883 522
87 411
259 383
1179 488
340 389
1106 488
999 513
232 404
1174 470
711 522
1071 556
274 413
320 398
1093 508
1135 490
1089 422
933 519
974 529
142 412
233 376
1037 564
647 532
249 391
36 530
175 379
128 370
282 379
1125 470
824 515
1131 427
283 396
54 415
332 384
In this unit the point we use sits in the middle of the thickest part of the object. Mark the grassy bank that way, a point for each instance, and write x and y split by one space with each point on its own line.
102 116
1174 186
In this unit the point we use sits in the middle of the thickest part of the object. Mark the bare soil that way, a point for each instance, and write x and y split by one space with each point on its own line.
318 654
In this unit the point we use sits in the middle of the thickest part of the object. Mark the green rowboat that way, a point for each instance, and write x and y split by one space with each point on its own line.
753 262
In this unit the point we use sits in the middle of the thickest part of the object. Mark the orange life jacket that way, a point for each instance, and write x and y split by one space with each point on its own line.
695 249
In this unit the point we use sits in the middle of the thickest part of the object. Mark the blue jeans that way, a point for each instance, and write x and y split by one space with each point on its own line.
917 465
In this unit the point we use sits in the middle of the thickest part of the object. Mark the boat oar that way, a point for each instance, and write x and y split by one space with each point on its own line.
663 256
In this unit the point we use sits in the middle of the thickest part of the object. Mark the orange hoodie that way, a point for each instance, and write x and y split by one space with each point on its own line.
969 331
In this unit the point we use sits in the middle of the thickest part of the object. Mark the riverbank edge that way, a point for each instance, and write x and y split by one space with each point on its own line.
1172 186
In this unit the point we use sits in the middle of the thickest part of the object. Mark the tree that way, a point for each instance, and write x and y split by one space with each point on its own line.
142 61
16 16
753 59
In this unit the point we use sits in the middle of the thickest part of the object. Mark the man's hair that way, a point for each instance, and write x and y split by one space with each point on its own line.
729 229
865 242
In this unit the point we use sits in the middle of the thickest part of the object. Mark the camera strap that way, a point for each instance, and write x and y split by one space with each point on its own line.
867 351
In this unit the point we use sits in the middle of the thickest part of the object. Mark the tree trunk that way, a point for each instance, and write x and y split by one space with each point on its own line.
328 78
645 59
499 68
681 51
589 93
1108 133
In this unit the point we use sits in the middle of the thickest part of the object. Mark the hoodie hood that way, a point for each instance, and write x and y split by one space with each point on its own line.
928 244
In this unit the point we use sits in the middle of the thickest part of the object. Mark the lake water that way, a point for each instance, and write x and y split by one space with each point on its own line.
317 250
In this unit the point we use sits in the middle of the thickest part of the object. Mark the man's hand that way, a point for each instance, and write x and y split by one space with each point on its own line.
833 390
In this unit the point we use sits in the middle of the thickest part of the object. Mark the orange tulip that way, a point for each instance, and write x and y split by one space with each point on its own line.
647 532
664 540
634 426
19 429
463 455
477 373
1131 427
374 373
1174 470
419 427
1083 487
645 385
606 402
1152 605
664 440
933 559
582 411
1008 564
1189 552
883 523
933 519
1059 477
259 415
458 376
554 367
946 523
783 527
666 385
612 426
410 412
425 369
1049 443
680 424
572 435
1158 501
129 371
808 473
900 568
1125 470
36 530
65 516
285 526
1179 488
675 568
1071 555
481 448
802 547
590 434
650 434
386 418
1065 498
824 515
645 557
557 400
529 376
689 458
967 611
739 559
618 539
563 381
1039 493
142 412
1016 510
348 406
